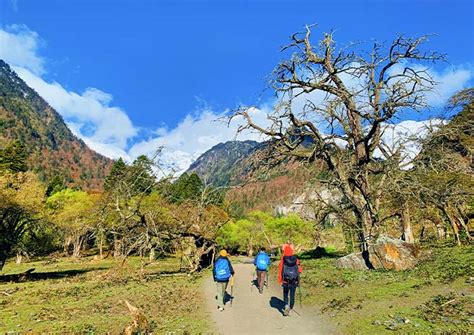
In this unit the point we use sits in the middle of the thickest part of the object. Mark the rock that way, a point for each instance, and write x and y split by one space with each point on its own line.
394 254
352 261
387 253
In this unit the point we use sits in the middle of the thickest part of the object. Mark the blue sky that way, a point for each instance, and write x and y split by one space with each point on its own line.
156 68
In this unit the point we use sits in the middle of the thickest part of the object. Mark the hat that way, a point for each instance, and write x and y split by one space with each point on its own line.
287 250
223 253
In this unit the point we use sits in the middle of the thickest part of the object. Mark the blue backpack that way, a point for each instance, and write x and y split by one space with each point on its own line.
262 262
222 269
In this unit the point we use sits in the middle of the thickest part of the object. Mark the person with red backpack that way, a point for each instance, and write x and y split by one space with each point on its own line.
289 271
222 272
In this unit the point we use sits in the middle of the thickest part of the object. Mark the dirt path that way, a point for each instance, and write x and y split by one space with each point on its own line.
254 313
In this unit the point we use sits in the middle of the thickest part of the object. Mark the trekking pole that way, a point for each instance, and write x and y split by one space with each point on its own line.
301 295
251 283
294 311
231 290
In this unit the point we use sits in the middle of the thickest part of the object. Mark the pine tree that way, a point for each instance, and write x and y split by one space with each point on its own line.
55 185
13 158
143 179
117 172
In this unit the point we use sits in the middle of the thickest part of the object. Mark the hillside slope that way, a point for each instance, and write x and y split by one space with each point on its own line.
218 165
52 148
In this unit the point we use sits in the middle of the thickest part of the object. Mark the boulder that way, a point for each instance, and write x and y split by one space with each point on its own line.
387 253
353 261
395 254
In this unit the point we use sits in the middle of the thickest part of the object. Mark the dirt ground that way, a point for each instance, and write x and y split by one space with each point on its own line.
254 313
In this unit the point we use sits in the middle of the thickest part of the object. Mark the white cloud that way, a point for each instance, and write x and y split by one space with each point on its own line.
90 112
19 47
449 81
405 136
108 129
195 135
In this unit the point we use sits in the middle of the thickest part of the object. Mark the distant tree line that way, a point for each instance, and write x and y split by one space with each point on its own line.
137 214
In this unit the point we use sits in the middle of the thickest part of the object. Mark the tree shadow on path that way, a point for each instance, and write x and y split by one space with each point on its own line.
278 304
34 276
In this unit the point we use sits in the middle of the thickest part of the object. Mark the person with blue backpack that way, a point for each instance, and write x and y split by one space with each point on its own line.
261 262
222 272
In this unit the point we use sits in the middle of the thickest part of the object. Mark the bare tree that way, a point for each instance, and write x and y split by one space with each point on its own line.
340 99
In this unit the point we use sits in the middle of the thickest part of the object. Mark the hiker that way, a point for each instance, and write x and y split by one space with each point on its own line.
289 271
222 272
287 245
261 262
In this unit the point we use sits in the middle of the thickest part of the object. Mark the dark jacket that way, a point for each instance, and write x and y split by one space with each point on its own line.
214 269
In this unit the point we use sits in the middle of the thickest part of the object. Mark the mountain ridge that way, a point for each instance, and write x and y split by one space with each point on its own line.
52 148
218 165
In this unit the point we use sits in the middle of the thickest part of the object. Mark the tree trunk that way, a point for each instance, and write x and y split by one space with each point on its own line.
407 232
439 226
459 217
101 248
66 244
367 236
441 231
422 233
101 242
19 258
250 251
348 238
453 223
118 252
152 255
77 246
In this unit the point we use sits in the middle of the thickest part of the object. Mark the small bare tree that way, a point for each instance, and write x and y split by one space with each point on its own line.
340 99
143 219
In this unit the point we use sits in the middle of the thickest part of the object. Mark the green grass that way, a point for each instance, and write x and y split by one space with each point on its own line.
88 296
437 296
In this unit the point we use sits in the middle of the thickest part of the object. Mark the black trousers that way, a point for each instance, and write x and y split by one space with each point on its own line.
289 290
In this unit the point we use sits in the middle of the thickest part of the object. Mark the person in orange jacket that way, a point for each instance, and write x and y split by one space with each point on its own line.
289 271
287 245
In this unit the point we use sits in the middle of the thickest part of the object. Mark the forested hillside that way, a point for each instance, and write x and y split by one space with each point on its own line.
219 165
53 151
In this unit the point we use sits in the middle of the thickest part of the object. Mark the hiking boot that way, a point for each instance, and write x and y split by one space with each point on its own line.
260 291
220 308
286 312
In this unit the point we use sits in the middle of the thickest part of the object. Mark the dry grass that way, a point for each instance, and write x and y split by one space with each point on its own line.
89 296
